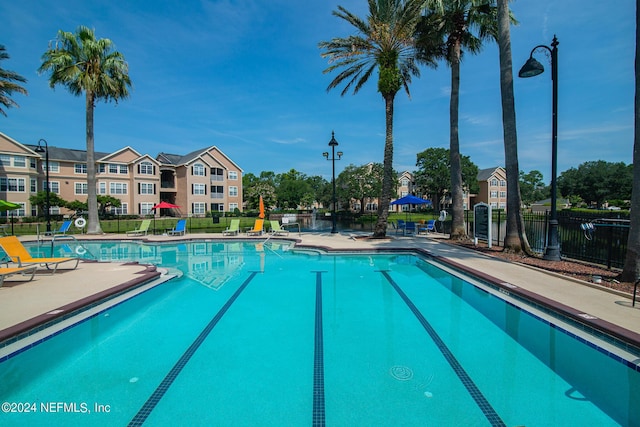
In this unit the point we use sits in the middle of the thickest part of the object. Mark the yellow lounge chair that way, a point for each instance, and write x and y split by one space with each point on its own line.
258 228
20 255
276 229
10 271
143 230
233 229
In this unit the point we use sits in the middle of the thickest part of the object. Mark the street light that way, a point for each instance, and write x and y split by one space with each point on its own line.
333 144
529 69
45 150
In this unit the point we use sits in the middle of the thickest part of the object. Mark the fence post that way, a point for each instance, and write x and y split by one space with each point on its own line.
499 224
610 251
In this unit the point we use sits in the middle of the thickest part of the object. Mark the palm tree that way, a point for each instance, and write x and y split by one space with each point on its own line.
7 85
464 24
515 237
631 270
84 64
386 41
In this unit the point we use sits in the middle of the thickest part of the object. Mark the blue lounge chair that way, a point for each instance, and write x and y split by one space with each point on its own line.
429 226
180 228
409 227
64 227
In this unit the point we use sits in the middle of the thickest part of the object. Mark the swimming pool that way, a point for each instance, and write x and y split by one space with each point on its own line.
259 334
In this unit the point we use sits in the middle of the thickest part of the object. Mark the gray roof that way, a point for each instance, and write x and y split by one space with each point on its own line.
66 154
177 159
485 174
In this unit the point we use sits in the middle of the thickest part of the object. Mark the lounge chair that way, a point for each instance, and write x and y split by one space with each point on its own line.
10 271
400 227
277 230
233 229
179 229
142 230
409 227
258 228
64 227
426 228
20 255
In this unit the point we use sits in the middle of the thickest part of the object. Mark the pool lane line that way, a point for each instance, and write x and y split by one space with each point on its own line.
482 402
159 392
318 418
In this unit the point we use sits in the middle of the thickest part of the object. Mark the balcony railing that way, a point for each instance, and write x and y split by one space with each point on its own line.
167 184
217 196
217 178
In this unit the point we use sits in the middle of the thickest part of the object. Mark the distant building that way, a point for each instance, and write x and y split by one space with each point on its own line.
201 181
493 189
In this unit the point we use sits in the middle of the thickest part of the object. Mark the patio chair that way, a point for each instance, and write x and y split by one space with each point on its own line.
277 230
180 228
400 227
142 230
64 227
429 226
10 271
233 229
258 228
20 255
409 227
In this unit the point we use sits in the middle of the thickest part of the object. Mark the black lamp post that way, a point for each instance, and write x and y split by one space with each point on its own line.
45 149
529 69
333 144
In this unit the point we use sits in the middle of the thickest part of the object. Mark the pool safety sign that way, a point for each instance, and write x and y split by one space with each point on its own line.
482 223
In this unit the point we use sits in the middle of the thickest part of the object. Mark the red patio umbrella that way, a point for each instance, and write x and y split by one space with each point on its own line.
162 205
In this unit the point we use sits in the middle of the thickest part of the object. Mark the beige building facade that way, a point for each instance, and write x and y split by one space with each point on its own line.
199 182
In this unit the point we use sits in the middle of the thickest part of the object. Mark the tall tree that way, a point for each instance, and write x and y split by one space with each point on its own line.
8 84
433 176
515 237
386 41
631 270
465 24
91 66
360 183
532 187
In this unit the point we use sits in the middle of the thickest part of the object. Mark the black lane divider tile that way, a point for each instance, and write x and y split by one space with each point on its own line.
318 359
153 400
482 402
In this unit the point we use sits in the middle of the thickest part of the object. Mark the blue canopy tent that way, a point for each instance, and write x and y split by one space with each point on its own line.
410 199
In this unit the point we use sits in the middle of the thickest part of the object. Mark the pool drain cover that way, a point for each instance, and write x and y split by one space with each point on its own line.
401 373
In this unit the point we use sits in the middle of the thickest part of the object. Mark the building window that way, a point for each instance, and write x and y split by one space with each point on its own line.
404 182
233 175
12 184
117 188
102 168
198 170
503 205
146 188
113 168
32 163
19 161
145 208
54 167
503 194
33 188
5 160
122 210
199 208
493 194
81 188
233 207
233 191
199 189
102 188
146 168
123 169
494 205
493 182
503 183
80 168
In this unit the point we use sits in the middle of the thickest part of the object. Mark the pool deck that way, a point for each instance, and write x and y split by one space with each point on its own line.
26 304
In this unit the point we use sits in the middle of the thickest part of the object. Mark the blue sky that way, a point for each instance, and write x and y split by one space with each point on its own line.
246 76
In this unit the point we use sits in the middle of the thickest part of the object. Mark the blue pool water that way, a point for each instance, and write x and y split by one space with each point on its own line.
258 334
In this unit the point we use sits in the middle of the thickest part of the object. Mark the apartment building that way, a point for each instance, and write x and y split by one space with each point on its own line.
493 188
198 182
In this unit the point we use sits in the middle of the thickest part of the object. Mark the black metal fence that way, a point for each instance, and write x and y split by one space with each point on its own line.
599 237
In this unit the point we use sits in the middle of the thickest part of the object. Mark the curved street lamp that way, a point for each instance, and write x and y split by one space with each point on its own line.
45 149
333 144
530 69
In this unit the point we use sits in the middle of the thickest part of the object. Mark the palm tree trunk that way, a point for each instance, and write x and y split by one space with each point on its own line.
388 179
93 225
457 227
515 237
631 271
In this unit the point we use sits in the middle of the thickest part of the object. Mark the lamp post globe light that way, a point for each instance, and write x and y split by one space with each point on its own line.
333 144
530 69
45 149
